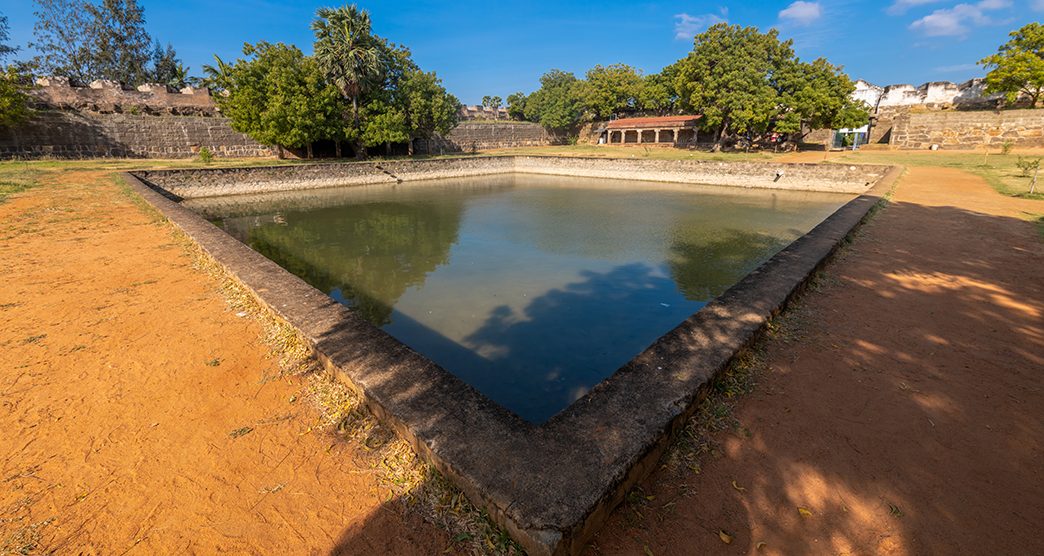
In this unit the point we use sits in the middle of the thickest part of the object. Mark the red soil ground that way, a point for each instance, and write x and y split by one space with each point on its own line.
907 417
123 373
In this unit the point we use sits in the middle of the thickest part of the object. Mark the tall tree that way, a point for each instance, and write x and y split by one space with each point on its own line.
348 55
278 96
816 95
1018 66
728 78
516 105
62 38
167 67
556 104
5 35
611 89
121 46
429 108
493 104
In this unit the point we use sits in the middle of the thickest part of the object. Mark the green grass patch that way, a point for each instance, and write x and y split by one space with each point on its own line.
16 177
1001 171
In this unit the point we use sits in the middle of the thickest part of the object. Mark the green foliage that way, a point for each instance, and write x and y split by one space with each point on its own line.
816 95
493 104
5 35
516 105
1018 66
1006 147
62 40
1028 166
556 104
205 156
14 98
104 39
349 57
657 93
609 90
167 68
727 78
278 96
120 46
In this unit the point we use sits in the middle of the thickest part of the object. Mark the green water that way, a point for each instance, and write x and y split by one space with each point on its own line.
533 289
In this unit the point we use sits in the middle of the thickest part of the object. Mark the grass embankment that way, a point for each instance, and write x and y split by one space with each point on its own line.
1001 171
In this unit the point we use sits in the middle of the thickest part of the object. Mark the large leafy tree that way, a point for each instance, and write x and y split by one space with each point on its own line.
278 96
6 50
728 78
1018 66
611 89
429 109
815 95
516 105
556 104
349 57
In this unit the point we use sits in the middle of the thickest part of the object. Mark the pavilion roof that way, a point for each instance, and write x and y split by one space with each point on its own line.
661 121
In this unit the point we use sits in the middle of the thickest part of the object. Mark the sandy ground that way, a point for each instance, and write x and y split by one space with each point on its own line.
123 374
906 415
903 415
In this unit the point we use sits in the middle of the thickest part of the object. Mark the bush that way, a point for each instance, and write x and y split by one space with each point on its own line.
1027 165
1006 147
205 156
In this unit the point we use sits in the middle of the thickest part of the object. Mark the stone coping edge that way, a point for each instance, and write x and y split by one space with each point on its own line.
551 486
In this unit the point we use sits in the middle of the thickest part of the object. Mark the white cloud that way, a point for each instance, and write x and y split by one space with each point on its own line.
801 12
899 7
955 21
956 68
688 26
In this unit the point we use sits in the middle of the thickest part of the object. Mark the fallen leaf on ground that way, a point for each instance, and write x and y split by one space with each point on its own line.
725 537
737 487
805 512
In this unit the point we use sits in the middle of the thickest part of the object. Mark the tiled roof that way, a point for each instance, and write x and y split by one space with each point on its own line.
663 121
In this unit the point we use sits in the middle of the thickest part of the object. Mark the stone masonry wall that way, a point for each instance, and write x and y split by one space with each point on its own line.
470 137
209 182
967 130
69 134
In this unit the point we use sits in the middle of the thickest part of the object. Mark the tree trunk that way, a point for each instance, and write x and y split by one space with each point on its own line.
409 147
279 152
337 149
309 151
721 136
387 148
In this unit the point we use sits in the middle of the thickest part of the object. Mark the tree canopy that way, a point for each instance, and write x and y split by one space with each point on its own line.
357 87
106 39
741 80
1018 66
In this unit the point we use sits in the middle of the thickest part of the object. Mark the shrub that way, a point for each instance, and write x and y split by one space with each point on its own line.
1006 147
1027 165
205 156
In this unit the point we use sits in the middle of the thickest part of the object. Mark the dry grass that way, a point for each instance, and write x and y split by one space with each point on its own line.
412 482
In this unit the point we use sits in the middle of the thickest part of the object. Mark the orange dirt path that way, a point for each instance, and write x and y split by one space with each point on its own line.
906 416
123 373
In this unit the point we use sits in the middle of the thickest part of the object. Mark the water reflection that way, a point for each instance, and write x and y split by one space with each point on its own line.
531 288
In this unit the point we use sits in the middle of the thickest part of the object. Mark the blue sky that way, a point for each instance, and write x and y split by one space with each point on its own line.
481 48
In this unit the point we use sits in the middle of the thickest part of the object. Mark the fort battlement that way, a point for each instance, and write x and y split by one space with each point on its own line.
113 97
936 95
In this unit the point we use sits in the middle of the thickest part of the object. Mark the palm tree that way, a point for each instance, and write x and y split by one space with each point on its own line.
348 54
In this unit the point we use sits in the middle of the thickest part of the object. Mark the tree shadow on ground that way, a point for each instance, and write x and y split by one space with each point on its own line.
901 407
